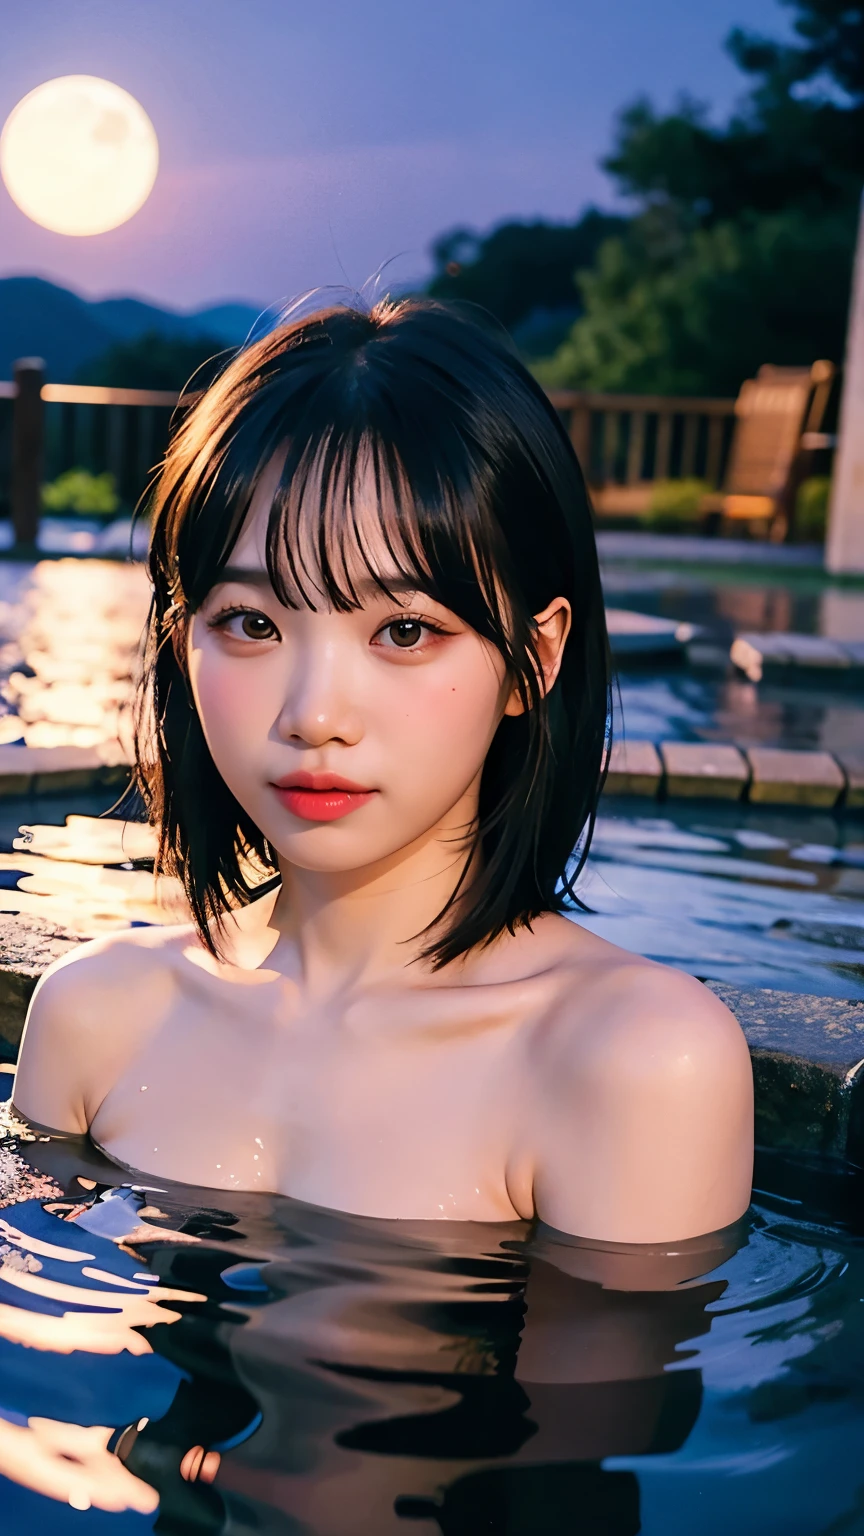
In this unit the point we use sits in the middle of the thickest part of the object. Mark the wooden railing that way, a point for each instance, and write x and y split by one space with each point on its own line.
46 429
624 442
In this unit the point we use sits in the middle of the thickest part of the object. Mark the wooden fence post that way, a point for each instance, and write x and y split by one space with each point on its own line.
580 434
28 430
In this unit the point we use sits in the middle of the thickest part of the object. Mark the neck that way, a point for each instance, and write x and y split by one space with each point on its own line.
356 925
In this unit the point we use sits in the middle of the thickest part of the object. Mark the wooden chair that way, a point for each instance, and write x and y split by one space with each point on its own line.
779 416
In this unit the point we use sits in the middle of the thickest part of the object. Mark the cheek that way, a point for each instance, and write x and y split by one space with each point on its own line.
443 720
233 700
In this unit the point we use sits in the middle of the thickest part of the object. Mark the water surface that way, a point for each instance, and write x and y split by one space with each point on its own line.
750 895
355 1376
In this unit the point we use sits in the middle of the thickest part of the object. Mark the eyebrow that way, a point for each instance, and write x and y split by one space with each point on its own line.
250 576
255 576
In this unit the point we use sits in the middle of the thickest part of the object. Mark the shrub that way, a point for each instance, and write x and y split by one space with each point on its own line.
674 502
811 507
79 491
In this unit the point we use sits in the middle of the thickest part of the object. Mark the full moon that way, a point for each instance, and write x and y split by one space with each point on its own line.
79 155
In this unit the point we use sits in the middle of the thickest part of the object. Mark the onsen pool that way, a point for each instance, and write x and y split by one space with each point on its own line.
352 1377
182 1361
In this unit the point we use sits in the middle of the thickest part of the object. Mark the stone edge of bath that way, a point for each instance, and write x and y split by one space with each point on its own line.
808 1069
708 770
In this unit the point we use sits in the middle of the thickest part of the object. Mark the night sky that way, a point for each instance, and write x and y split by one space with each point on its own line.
306 144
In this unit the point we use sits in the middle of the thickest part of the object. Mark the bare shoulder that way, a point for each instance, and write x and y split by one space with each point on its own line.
643 1077
117 963
614 1005
86 1015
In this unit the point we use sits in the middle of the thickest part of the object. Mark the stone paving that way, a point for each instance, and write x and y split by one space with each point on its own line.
694 770
722 771
779 777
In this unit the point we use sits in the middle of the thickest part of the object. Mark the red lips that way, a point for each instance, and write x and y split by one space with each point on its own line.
321 796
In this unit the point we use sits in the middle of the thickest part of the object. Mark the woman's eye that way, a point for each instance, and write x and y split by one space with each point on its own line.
247 625
405 632
256 626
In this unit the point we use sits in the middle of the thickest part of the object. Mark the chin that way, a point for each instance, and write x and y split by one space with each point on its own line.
330 848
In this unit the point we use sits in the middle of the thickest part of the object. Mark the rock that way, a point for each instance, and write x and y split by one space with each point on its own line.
49 770
645 635
807 1067
634 769
776 654
782 777
27 947
709 769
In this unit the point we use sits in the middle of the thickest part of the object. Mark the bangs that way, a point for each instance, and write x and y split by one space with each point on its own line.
356 508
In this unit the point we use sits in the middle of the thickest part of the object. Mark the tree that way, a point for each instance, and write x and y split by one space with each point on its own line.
741 248
522 273
739 293
797 141
155 361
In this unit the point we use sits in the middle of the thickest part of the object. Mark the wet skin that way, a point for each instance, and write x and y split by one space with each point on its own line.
550 1074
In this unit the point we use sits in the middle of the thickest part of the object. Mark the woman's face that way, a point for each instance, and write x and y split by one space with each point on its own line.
345 736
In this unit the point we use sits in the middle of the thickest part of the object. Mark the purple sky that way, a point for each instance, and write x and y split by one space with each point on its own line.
292 132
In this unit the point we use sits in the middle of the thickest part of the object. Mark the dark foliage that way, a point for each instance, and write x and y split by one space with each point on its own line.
695 312
741 251
797 142
520 270
154 361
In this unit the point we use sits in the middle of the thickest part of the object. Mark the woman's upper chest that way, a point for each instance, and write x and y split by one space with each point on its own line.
408 1104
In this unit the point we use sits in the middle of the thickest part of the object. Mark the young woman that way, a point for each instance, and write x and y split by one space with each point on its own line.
372 735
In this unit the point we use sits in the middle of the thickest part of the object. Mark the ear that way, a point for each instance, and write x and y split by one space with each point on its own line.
552 627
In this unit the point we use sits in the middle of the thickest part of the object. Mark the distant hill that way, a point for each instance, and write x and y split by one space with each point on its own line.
40 319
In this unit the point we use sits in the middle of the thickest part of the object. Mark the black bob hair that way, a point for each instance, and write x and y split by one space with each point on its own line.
482 505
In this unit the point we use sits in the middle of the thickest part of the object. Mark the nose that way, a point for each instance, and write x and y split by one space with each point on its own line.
318 705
